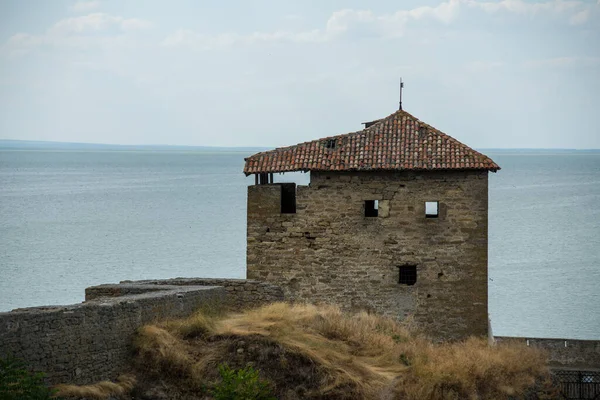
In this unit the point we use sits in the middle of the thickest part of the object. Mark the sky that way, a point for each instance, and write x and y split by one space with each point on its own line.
492 74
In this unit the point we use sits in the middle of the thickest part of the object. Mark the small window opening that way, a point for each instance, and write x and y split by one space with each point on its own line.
407 275
432 209
371 208
330 144
288 198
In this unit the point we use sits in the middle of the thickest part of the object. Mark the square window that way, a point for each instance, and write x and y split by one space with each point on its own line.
371 208
432 209
407 274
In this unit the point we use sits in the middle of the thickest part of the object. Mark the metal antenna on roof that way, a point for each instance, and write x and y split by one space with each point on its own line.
401 87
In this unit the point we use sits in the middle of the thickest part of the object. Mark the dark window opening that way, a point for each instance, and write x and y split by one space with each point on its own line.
432 209
407 274
330 144
288 198
371 208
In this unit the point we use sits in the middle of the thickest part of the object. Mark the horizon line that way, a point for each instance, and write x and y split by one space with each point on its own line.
31 142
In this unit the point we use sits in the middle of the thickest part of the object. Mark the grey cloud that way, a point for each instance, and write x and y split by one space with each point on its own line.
366 23
105 77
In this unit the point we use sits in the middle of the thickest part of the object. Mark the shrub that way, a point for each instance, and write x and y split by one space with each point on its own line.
17 383
241 384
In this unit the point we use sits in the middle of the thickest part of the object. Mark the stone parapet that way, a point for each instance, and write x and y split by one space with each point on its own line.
240 293
570 353
91 341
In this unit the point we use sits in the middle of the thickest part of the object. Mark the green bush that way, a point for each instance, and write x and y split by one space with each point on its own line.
17 383
241 384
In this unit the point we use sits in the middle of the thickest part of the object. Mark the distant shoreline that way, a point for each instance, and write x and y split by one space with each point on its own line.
8 144
73 146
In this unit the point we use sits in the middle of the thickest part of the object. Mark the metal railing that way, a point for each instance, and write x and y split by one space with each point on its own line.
565 385
578 385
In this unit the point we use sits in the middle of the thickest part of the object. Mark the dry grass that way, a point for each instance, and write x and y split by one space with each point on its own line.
329 354
161 351
100 390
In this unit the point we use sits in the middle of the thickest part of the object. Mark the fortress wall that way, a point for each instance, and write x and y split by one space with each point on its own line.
241 293
571 353
91 341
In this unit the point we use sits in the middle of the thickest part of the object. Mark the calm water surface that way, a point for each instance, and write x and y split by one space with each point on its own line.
71 219
544 245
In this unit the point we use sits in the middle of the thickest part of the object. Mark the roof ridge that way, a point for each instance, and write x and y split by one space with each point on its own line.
399 145
452 138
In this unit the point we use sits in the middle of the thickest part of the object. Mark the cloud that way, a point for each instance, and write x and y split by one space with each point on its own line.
96 22
527 8
346 23
366 23
95 29
445 12
189 38
580 18
131 24
393 24
343 22
20 44
24 39
85 6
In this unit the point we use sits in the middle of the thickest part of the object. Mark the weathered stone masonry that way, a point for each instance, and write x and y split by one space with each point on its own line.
89 342
240 293
328 251
571 353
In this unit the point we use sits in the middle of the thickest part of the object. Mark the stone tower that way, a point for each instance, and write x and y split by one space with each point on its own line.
394 220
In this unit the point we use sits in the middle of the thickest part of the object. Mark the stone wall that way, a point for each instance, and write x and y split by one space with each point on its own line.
240 293
580 354
89 342
328 251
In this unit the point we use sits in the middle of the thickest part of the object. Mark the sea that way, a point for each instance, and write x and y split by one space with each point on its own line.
70 219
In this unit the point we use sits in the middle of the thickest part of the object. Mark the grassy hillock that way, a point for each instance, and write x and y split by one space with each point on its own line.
317 352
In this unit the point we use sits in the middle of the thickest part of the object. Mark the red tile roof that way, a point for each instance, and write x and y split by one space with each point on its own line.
398 142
